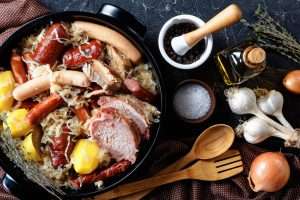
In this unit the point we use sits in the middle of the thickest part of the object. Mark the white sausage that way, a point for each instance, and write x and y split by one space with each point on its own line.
70 77
112 37
31 88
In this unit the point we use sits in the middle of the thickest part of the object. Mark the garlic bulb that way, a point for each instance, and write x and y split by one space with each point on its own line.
272 104
243 101
256 130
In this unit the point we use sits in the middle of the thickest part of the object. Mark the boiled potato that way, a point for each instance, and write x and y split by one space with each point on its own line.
7 84
31 145
86 156
17 123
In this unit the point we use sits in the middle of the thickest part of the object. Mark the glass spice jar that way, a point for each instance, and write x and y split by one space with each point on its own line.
241 63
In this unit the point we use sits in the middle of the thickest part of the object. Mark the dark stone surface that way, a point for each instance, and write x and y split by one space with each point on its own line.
154 13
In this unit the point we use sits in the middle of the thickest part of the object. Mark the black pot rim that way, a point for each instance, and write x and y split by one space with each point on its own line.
130 34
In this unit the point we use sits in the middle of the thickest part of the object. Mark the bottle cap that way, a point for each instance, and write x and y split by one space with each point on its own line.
254 56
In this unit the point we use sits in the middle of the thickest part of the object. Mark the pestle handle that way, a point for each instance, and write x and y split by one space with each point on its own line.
230 15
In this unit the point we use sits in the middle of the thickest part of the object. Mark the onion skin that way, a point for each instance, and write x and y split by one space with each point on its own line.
291 81
269 172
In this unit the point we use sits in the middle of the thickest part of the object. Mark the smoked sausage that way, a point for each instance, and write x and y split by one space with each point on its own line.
42 109
107 173
81 113
74 57
51 46
137 90
61 148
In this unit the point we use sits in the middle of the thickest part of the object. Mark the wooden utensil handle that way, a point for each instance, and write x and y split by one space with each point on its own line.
145 184
179 164
225 18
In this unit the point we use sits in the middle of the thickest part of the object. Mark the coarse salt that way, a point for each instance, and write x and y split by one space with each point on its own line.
192 101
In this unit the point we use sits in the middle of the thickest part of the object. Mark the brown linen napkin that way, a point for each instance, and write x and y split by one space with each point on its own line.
14 13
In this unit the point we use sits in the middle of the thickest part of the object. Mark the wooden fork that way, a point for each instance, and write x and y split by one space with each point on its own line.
222 167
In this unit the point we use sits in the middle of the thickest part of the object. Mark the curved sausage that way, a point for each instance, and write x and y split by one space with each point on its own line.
42 109
138 91
107 173
18 68
61 148
31 88
50 47
74 57
112 37
70 77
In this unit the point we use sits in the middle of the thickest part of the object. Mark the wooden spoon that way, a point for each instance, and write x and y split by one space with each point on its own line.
211 143
223 19
222 167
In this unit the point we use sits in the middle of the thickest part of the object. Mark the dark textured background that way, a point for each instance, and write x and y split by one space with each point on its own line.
154 13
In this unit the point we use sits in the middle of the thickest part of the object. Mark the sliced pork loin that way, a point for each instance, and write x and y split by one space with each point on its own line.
99 73
116 133
141 113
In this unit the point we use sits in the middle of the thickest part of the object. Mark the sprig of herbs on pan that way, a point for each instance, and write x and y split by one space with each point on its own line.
270 34
9 146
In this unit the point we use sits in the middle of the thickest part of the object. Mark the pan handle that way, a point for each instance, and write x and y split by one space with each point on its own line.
11 186
123 17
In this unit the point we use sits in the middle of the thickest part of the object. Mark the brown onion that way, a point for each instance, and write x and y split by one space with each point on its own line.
292 81
269 172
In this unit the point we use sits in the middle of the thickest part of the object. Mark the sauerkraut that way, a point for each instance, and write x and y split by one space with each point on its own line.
54 123
143 74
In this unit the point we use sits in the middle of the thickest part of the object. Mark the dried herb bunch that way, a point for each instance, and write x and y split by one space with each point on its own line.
270 34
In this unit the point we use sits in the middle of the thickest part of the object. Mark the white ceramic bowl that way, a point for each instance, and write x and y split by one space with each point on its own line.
181 19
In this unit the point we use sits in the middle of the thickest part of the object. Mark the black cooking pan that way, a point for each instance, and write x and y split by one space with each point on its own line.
115 18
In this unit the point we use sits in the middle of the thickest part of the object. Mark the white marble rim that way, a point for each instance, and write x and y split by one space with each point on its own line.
180 19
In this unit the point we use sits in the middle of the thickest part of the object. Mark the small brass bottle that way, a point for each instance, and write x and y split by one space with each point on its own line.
241 63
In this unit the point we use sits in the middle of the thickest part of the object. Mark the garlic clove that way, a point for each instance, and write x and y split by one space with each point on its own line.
256 130
271 103
241 100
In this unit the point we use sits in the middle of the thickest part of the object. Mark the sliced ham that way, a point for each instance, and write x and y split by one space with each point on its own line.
130 110
116 133
117 62
99 73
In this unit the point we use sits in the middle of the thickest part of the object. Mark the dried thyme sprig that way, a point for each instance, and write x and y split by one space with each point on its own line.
9 147
270 34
